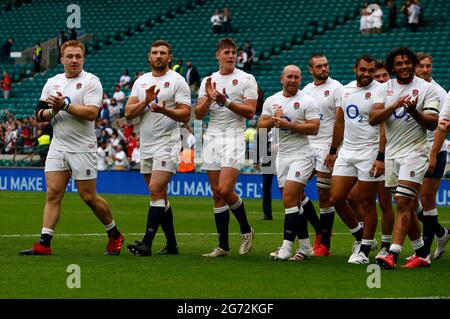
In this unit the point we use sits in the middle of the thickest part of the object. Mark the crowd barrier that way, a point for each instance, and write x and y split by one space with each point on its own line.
182 184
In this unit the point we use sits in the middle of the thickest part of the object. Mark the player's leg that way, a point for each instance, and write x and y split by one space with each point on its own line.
227 181
326 208
101 209
367 193
340 188
267 196
57 176
354 202
431 225
221 216
387 215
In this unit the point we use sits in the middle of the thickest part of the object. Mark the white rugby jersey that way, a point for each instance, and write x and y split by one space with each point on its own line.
404 135
239 86
442 93
356 102
298 108
327 96
71 133
445 111
159 133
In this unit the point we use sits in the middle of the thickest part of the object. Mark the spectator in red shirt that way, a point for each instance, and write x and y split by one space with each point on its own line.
6 84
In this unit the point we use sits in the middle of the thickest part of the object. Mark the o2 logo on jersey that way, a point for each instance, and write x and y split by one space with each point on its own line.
401 114
353 113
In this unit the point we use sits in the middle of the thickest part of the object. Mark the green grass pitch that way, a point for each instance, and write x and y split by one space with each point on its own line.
80 239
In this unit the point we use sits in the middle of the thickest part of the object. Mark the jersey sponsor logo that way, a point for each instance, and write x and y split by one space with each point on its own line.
166 85
389 92
296 105
235 82
415 92
326 93
412 174
297 174
368 95
79 85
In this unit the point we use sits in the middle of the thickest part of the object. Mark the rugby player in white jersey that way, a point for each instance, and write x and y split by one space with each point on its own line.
229 96
71 102
381 75
326 92
360 159
161 99
296 115
426 209
409 106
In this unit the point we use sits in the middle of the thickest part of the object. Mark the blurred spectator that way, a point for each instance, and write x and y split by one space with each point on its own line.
102 155
125 80
187 137
6 50
119 96
178 67
413 16
104 110
135 163
365 23
376 16
226 21
404 10
132 144
44 143
392 14
136 76
120 158
73 34
192 77
114 112
186 164
62 37
241 59
37 57
26 138
216 21
250 56
6 84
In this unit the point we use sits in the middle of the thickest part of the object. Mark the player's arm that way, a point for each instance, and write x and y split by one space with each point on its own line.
309 127
338 136
135 108
60 103
428 119
380 113
439 138
378 165
338 129
181 112
42 112
202 108
265 121
246 109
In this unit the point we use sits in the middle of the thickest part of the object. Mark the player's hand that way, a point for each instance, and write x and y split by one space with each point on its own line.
410 105
150 94
330 160
377 169
156 108
220 98
400 102
281 122
432 165
279 112
56 102
209 88
444 125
